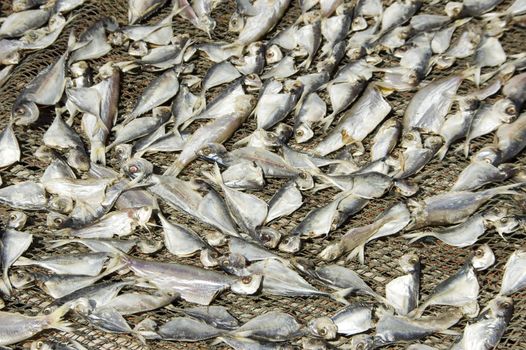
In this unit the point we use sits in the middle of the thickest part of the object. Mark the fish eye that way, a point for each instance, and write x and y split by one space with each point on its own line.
20 110
323 331
246 279
360 346
133 169
12 217
303 175
206 151
214 254
504 220
226 263
299 133
270 54
48 310
487 160
505 304
58 221
265 237
413 260
510 110
39 344
410 137
234 21
252 76
479 253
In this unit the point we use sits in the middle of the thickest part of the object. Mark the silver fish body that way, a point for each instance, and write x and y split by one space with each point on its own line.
9 148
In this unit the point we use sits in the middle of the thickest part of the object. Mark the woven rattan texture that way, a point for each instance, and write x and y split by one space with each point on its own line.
439 260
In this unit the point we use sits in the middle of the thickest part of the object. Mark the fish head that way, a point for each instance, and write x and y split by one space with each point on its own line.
78 159
44 154
331 252
79 69
123 152
24 113
359 23
290 244
362 342
304 181
83 306
273 54
303 133
236 23
482 258
209 257
453 9
138 49
247 285
41 345
56 22
252 82
501 307
490 155
137 168
323 327
234 264
149 246
17 220
214 152
269 237
55 220
406 188
21 279
61 204
409 262
283 132
506 224
117 38
433 142
147 328
256 48
411 139
506 110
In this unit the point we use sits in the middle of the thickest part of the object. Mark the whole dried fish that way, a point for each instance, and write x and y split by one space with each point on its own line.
514 278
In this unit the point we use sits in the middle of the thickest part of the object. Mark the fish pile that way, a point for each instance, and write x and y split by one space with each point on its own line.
316 94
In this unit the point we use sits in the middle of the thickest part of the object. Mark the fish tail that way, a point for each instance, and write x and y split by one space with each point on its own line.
326 122
7 283
55 320
339 296
418 311
59 242
476 76
443 151
98 153
415 236
23 261
504 190
466 147
174 169
215 175
358 252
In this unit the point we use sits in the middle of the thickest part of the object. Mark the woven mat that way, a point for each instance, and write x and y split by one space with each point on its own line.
439 260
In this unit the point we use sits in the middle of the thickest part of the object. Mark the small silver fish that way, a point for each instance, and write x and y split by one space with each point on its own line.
385 139
403 292
138 9
25 196
273 326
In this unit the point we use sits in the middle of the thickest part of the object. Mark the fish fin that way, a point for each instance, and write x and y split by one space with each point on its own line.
55 319
23 261
59 242
98 153
476 76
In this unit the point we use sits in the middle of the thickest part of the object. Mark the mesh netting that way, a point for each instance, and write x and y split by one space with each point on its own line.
439 260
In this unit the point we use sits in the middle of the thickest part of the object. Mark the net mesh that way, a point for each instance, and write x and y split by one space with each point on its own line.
439 260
